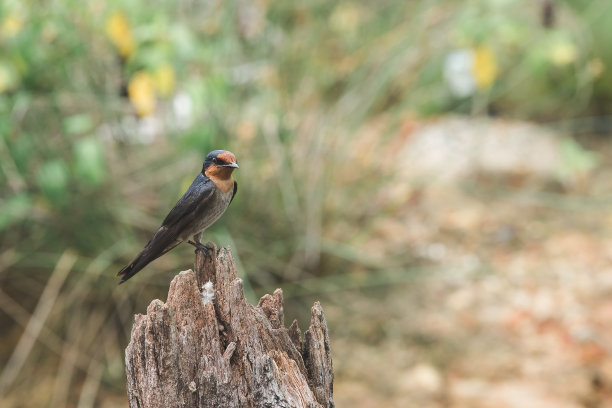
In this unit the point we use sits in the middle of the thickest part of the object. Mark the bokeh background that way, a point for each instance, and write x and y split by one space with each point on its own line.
437 173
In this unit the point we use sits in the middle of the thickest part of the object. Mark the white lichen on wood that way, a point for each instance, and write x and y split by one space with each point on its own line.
208 293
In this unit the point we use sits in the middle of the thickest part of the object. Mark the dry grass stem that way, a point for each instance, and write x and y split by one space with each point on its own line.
37 320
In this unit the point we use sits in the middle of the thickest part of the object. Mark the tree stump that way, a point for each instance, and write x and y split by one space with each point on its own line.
208 347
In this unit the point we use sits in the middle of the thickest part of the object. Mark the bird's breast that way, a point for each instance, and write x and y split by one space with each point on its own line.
225 185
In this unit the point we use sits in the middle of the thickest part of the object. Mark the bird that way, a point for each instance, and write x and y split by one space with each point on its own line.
203 203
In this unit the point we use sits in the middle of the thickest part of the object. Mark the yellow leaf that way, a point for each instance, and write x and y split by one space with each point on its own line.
596 67
346 18
11 26
485 68
120 34
164 80
142 93
563 53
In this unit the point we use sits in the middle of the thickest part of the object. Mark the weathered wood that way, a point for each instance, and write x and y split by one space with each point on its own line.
194 351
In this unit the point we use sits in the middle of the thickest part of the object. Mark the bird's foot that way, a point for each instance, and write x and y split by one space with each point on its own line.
202 247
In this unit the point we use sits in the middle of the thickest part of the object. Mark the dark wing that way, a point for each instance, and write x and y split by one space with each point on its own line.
187 209
235 190
184 213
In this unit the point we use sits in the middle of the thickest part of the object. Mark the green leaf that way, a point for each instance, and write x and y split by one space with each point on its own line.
90 165
13 209
52 179
183 40
21 151
78 124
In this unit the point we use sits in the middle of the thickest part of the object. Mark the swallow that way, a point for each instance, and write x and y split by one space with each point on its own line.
203 203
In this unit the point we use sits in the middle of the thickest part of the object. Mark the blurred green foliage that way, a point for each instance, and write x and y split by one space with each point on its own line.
93 94
74 75
107 109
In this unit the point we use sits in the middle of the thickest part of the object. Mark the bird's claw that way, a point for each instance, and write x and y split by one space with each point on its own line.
201 247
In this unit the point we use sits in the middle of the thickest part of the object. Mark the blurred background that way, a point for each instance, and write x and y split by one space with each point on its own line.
437 173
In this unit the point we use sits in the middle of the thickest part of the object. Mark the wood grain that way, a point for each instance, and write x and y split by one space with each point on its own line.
191 352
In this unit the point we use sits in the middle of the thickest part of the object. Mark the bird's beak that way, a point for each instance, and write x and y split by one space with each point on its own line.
232 164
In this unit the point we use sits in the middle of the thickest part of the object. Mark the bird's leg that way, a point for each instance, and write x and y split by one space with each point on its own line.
198 239
199 245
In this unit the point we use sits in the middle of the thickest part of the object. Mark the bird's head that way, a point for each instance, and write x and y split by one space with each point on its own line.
219 164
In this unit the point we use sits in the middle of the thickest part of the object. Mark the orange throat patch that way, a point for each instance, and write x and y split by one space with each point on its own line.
221 176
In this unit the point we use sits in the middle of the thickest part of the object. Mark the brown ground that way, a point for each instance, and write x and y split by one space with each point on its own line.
509 303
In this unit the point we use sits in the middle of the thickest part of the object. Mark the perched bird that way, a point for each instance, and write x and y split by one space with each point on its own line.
202 204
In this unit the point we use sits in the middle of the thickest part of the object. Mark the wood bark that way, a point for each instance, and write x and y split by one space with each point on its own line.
196 352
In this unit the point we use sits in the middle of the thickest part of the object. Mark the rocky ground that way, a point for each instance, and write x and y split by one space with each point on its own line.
507 301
